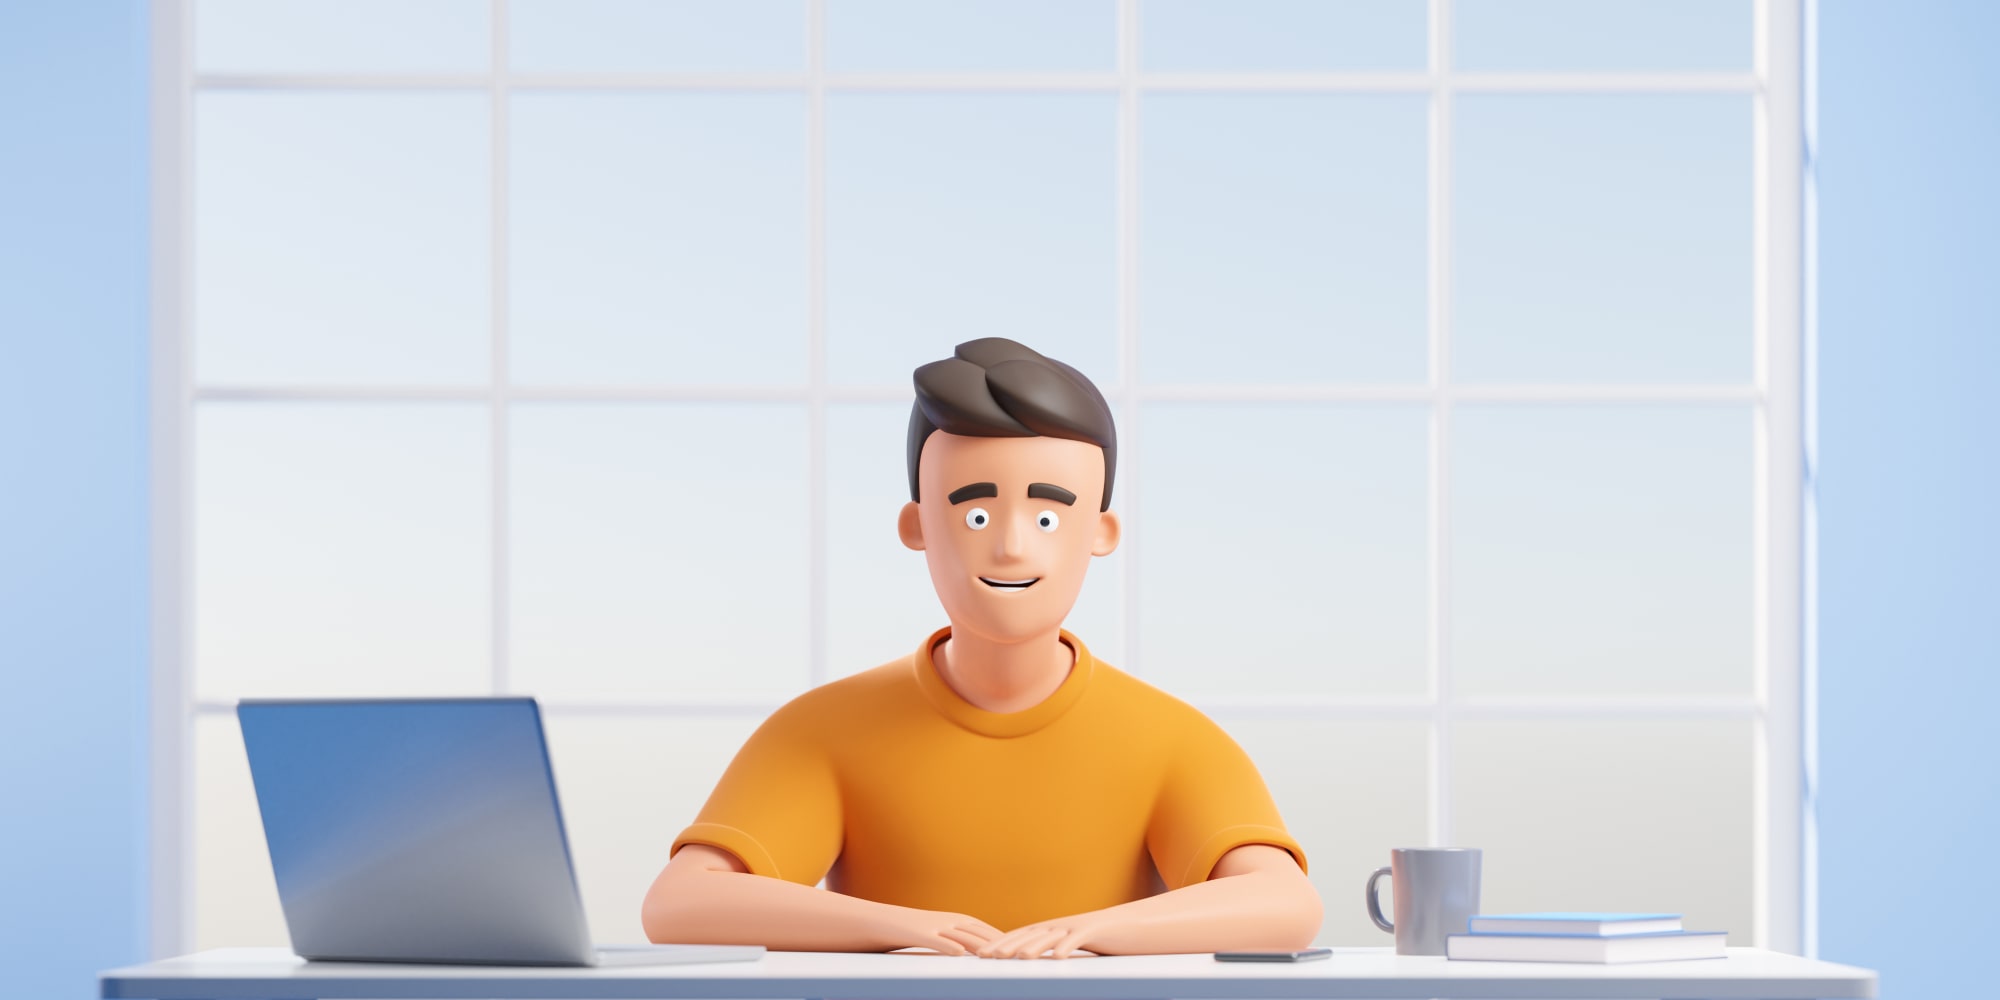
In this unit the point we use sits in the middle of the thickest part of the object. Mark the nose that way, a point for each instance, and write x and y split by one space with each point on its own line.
1010 539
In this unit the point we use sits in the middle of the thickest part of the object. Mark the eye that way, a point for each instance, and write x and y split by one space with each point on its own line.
1047 520
976 518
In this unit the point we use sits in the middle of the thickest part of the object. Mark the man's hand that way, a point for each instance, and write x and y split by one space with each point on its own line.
1058 938
942 932
1256 897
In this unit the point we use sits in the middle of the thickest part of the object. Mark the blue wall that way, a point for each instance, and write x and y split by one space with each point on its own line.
1909 491
73 493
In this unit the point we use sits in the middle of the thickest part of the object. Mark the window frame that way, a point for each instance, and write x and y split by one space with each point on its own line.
1779 708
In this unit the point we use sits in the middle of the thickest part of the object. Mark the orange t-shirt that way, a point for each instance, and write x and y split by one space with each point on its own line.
893 788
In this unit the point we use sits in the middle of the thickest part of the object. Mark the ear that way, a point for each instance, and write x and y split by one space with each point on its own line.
910 528
1108 533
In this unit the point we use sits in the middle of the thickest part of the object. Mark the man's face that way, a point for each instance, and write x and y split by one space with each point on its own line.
1008 526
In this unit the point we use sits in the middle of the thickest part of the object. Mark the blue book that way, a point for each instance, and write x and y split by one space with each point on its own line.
1576 924
1671 946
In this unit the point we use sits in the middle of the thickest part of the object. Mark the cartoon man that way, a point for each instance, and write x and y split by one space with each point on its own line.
999 791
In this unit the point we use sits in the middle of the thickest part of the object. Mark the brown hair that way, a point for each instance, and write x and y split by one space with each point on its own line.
994 387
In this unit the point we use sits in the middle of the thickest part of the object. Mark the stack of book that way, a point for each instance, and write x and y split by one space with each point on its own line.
1604 938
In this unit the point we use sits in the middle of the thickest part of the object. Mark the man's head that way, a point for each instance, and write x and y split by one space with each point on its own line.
1010 459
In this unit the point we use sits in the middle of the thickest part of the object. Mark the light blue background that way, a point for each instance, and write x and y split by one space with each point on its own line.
1293 224
1275 36
73 494
1909 441
971 35
908 253
291 192
1617 35
1601 238
1909 347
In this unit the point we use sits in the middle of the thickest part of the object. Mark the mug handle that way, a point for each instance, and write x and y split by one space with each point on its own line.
1375 901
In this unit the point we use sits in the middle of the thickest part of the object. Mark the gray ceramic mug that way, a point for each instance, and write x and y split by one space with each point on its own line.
1436 892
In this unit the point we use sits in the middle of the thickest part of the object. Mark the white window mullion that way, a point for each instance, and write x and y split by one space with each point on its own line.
1783 912
891 393
1127 396
498 399
1441 833
816 392
1407 83
171 816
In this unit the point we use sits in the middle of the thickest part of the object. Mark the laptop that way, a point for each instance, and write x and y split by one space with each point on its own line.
425 830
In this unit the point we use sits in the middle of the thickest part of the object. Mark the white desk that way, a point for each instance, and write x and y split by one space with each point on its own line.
275 974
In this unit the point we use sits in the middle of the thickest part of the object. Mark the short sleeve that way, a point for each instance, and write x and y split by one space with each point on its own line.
1212 801
777 807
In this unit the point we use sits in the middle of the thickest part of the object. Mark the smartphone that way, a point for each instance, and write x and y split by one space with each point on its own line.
1302 955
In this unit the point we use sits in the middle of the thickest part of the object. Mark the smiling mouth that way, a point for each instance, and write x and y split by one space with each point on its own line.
1009 586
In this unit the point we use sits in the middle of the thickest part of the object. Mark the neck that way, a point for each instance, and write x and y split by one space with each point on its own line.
1010 676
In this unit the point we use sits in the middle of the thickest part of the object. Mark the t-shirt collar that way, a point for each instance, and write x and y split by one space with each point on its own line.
1001 724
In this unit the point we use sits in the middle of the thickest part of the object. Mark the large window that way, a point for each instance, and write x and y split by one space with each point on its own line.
562 347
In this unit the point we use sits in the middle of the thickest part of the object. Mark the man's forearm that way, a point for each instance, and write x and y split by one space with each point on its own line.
701 906
719 907
1256 910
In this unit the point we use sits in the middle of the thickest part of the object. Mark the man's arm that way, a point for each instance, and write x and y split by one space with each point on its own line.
707 896
1256 898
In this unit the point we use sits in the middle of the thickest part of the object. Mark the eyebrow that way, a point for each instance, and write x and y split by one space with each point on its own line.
1045 491
964 493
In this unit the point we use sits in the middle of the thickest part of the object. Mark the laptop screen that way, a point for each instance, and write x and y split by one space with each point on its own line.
415 830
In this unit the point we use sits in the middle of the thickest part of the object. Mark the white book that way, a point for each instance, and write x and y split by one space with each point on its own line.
1667 947
1564 922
